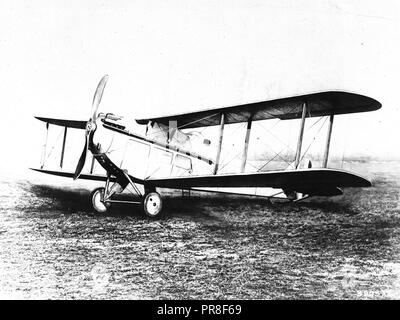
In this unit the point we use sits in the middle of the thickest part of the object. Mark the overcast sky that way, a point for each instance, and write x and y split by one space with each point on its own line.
176 56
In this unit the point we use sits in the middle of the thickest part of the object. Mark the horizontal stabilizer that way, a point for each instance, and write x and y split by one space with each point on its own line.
76 124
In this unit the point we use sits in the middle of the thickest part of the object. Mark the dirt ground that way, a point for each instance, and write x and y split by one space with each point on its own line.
207 247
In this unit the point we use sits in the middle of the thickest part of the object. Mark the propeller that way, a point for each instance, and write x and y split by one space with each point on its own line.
91 124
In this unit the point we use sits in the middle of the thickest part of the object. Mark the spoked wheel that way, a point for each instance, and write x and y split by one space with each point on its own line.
152 205
98 201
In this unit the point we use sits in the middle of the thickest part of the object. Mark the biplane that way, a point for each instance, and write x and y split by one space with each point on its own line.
150 154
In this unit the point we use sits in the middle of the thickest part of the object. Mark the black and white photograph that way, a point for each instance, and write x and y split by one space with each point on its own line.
190 150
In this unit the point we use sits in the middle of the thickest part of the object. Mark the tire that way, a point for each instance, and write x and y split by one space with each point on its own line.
98 204
152 205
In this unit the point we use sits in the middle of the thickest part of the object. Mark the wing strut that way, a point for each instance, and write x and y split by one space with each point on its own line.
328 141
221 135
63 147
300 140
246 146
44 146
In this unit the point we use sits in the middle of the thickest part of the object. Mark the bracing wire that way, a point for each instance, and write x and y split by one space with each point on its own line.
312 141
52 148
286 145
276 153
269 132
229 154
269 161
225 164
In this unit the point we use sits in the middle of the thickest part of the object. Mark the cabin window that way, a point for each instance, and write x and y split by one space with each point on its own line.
183 162
161 156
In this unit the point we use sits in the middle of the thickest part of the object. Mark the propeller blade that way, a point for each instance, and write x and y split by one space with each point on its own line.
82 159
97 96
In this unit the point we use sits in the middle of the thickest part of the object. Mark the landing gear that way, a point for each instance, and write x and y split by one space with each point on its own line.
152 205
98 203
151 202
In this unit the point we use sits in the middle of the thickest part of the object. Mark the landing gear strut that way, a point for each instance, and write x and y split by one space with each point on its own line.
151 202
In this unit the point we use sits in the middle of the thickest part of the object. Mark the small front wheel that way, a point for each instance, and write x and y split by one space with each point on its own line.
98 201
152 205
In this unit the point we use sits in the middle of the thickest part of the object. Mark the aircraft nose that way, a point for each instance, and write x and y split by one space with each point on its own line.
102 138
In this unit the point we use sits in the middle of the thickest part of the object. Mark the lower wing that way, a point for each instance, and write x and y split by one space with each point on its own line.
310 181
94 177
322 182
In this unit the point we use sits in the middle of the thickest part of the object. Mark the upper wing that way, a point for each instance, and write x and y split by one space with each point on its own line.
318 104
310 181
76 124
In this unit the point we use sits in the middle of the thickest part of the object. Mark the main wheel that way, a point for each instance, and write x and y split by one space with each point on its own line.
98 201
152 205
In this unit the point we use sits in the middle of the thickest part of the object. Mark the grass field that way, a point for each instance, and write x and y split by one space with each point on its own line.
227 247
